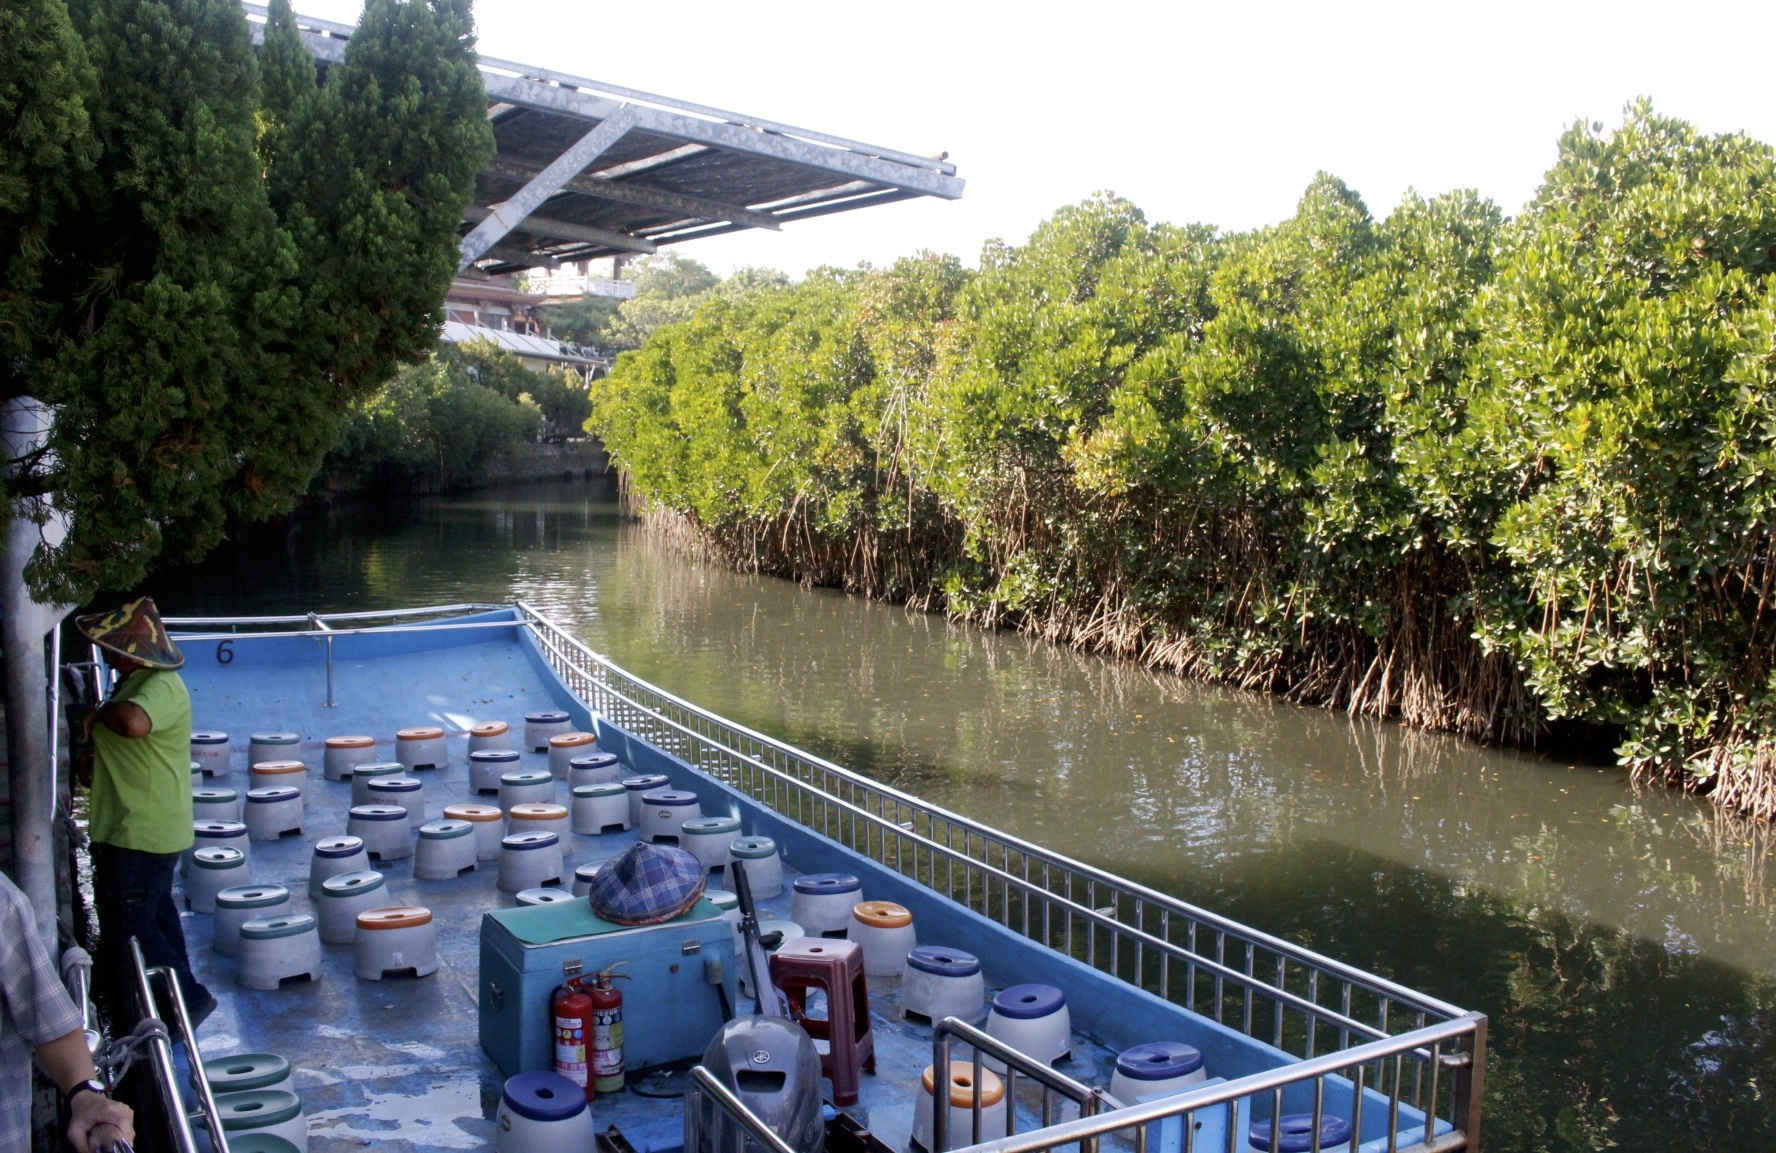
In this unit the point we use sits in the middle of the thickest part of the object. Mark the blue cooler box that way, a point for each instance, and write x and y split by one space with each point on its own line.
670 1010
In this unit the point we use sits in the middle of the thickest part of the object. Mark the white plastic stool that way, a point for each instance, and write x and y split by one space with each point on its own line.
241 1072
422 748
446 850
364 774
279 948
273 812
383 829
708 839
790 931
961 1119
490 736
599 807
664 812
1298 1132
764 870
272 1112
941 983
646 783
212 870
273 747
541 818
1156 1069
487 765
276 774
582 883
215 804
220 834
210 751
542 1112
822 902
529 861
333 856
544 896
407 792
525 787
489 824
197 776
343 754
564 747
594 769
885 931
1032 1019
237 905
343 898
399 939
539 727
729 905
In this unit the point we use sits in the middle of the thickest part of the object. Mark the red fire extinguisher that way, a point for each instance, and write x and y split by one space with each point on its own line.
572 1010
605 1003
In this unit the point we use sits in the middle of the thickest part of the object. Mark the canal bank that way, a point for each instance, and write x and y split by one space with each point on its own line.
1621 942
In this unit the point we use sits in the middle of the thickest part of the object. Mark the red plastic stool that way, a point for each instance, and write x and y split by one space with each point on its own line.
836 968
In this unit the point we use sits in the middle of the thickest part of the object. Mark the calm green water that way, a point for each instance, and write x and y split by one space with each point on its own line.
1623 943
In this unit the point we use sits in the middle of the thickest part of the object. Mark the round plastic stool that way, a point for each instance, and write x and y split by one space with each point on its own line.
962 1093
544 896
343 898
220 834
821 902
539 727
276 774
529 861
399 939
245 1071
489 823
1032 1019
646 783
1295 1134
210 752
708 839
269 1113
215 804
941 983
885 932
764 871
273 747
272 812
446 850
237 905
333 856
541 818
422 748
383 829
599 807
1156 1069
343 754
594 769
486 767
582 882
664 812
262 1142
407 792
278 948
542 1112
526 787
790 931
564 747
212 870
364 774
490 736
729 905
197 776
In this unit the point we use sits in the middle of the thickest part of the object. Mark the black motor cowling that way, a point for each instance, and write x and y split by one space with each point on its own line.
773 1067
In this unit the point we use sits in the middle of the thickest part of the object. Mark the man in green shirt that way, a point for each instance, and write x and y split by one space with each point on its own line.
140 815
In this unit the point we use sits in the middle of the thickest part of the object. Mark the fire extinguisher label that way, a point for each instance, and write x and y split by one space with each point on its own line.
607 1042
570 1049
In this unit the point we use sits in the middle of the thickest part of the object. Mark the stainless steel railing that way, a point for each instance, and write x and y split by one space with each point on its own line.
160 1055
706 1086
1089 1100
1305 1005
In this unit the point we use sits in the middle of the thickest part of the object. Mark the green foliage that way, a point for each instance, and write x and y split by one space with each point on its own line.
559 395
668 290
1475 473
432 426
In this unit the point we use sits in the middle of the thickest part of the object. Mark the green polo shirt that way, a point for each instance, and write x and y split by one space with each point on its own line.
141 790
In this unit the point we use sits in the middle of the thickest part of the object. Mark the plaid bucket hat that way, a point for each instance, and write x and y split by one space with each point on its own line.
647 885
133 631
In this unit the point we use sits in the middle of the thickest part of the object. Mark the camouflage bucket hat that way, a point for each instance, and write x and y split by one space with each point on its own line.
133 631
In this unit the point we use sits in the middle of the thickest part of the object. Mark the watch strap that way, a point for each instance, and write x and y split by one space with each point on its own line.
90 1083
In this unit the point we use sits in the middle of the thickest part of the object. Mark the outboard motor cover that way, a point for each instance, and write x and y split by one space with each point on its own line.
773 1067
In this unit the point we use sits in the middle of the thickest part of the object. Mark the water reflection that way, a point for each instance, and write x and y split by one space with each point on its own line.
1620 940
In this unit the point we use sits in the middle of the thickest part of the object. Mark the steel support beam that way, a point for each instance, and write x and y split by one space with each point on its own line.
592 185
568 230
506 254
510 213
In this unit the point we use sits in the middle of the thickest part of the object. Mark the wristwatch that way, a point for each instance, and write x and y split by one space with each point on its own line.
90 1083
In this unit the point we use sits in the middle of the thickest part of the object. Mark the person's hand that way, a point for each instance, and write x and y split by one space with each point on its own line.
86 723
95 1117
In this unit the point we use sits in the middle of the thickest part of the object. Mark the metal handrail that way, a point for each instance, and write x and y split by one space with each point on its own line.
731 1105
1088 1098
381 631
307 618
160 1056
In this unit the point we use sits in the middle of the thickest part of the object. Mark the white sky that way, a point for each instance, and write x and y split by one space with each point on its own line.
1219 113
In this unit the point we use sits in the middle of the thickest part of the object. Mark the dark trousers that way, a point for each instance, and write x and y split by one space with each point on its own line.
134 892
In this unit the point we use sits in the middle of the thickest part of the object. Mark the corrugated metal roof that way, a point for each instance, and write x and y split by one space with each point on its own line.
535 347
